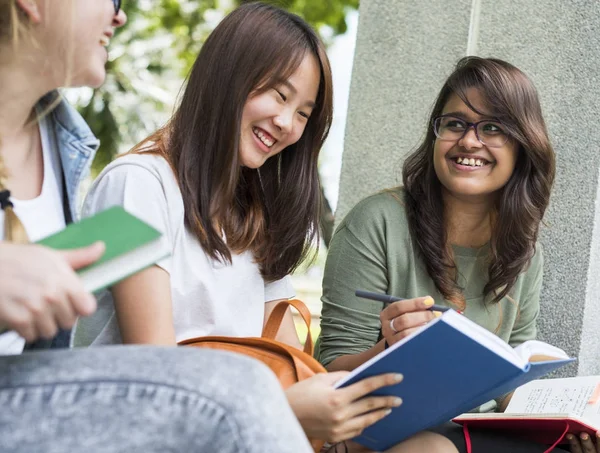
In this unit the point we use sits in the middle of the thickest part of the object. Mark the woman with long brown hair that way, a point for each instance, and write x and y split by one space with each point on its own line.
232 183
462 231
135 398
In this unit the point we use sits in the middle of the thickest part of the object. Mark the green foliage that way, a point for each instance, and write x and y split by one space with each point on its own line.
319 13
151 55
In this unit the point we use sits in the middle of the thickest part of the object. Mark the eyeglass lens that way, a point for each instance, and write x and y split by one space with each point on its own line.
490 133
117 4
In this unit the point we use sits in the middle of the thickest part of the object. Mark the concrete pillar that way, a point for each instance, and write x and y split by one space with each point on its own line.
404 52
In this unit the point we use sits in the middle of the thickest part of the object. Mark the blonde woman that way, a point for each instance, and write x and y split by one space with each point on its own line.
107 399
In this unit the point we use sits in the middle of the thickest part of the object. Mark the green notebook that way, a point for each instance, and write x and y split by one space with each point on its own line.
131 245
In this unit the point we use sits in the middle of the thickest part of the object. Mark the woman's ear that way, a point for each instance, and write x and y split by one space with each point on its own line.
30 7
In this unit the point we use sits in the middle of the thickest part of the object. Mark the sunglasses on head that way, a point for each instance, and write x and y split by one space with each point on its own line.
117 4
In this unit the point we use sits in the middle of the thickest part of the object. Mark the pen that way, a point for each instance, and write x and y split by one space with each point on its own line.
387 299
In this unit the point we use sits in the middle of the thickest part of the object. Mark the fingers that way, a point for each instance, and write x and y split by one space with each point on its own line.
40 291
49 308
63 312
45 324
373 403
355 426
582 443
29 315
587 445
84 256
401 318
59 299
396 329
411 320
17 317
76 298
574 444
399 336
407 306
55 295
364 387
82 302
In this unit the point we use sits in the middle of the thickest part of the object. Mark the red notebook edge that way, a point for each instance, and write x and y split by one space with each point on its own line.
538 429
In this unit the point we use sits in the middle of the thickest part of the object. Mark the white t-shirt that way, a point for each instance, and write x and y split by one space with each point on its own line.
208 297
41 216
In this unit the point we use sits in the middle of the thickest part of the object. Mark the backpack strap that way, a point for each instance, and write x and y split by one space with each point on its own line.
274 322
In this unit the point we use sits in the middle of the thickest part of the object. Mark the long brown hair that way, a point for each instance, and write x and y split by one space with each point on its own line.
272 211
511 98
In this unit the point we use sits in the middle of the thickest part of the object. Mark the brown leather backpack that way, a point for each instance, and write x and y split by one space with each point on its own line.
289 364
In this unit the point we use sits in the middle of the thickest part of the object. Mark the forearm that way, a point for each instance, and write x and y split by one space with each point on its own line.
349 362
298 409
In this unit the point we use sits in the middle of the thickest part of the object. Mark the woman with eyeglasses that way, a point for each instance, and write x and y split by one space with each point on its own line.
107 399
462 230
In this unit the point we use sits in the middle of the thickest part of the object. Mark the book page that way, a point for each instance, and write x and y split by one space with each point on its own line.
578 396
538 351
484 337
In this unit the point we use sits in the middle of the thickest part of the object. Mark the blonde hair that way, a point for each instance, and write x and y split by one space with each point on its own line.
14 231
12 26
13 23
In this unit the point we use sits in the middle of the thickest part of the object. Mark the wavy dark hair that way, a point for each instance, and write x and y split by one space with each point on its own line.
272 211
520 205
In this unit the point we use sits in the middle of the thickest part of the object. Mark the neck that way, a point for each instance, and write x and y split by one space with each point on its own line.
22 84
468 220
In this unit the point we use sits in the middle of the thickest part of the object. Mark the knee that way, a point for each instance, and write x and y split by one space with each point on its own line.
425 441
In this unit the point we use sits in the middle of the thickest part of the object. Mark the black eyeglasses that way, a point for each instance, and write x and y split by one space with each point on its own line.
488 132
117 4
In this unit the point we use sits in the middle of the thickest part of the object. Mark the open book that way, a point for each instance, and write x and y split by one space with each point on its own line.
450 366
544 410
131 245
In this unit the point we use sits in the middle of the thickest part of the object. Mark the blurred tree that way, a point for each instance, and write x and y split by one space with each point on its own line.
151 55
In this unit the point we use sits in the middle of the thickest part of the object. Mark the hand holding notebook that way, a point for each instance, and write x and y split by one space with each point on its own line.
33 275
103 250
131 245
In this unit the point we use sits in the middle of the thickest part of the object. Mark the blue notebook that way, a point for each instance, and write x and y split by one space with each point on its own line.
450 366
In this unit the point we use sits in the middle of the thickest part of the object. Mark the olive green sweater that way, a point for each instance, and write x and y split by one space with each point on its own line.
372 250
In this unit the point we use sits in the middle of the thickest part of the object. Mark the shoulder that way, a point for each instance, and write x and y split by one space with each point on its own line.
383 208
132 181
140 164
538 257
535 267
532 275
378 222
138 172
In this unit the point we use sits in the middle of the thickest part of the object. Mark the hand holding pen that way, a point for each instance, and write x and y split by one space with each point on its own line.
399 320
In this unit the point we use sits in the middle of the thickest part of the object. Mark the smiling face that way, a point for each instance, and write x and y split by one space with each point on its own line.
74 36
275 119
466 167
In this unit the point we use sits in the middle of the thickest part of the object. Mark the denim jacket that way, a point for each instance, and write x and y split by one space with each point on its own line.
77 147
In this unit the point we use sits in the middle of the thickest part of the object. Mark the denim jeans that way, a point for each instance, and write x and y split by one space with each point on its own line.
143 399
